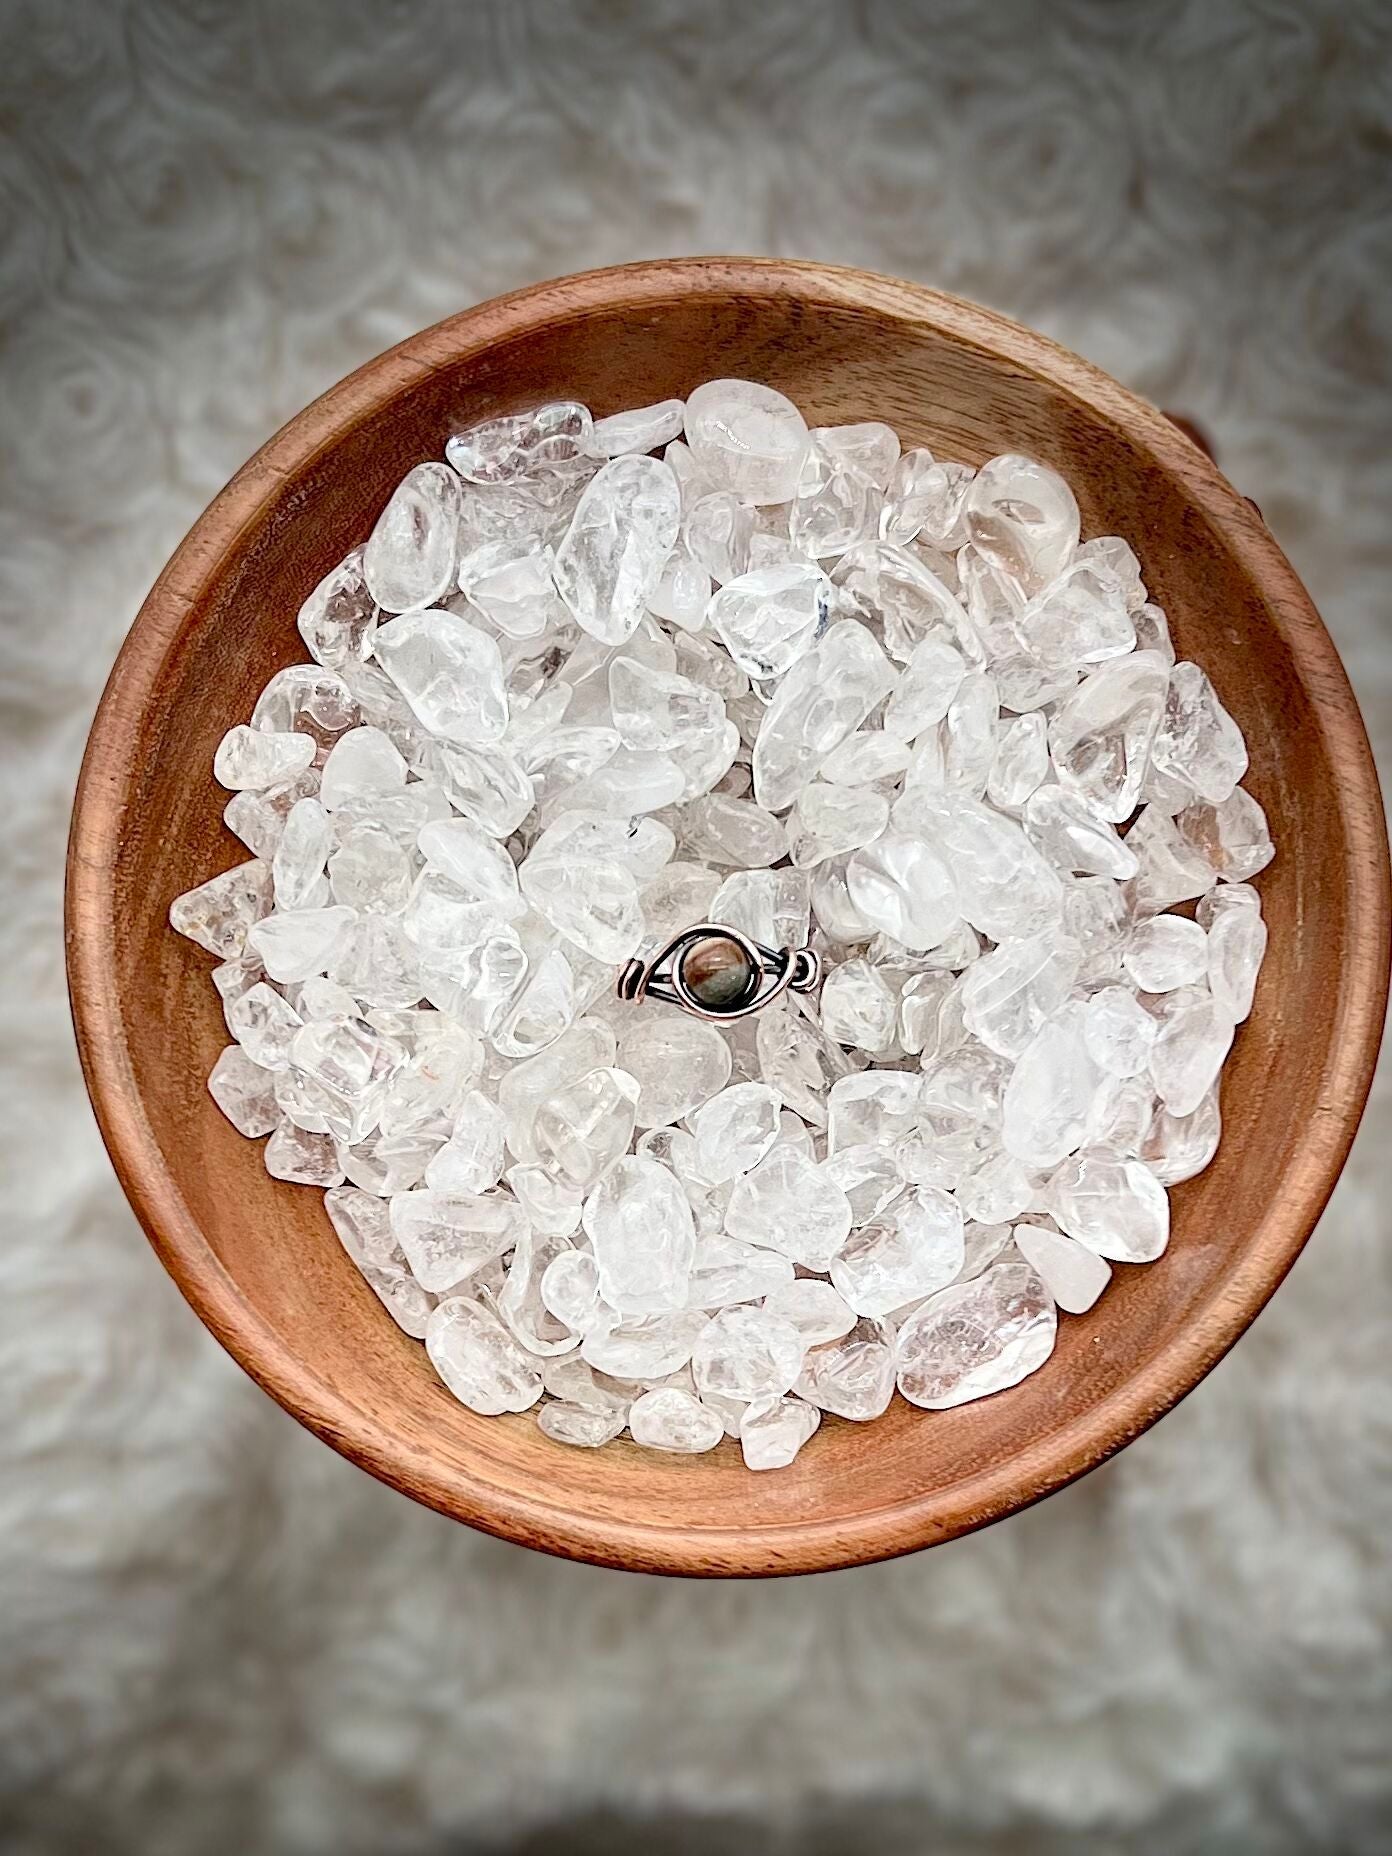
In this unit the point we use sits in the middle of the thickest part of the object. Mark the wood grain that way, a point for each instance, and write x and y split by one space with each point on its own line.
256 1258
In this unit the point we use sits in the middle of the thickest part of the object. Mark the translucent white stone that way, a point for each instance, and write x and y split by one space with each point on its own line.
1050 1097
449 671
1020 762
474 861
734 1130
609 564
244 1091
520 1303
1118 1032
1125 1107
1079 618
770 618
1114 1206
829 821
789 1204
1000 1189
654 712
718 531
295 943
363 1225
337 620
569 1290
825 697
410 556
629 783
1176 1147
727 1270
1232 837
1197 744
362 762
1195 1036
670 1419
677 1062
1236 949
747 1353
472 1159
510 583
306 699
976 1338
302 1157
568 1376
1008 994
264 1024
591 902
369 872
852 1376
1118 557
640 1227
959 1116
552 1208
892 586
1074 837
258 818
642 845
645 1346
1170 870
901 885
869 1176
813 1307
837 504
218 913
1100 739
1165 951
868 446
386 1163
449 1236
771 906
772 1431
911 1249
1004 887
1023 518
588 1045
726 830
572 1424
544 1006
1074 1275
877 1108
479 1360
924 499
747 438
300 856
585 1125
858 1008
683 591
643 428
248 758
375 962
521 444
429 1088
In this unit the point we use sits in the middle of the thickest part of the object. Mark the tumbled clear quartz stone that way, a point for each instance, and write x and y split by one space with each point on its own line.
1195 1036
877 1108
677 1062
610 562
858 1007
1100 738
449 671
1113 1205
479 1360
1023 518
901 885
825 697
303 1157
219 913
521 444
1118 1031
585 1125
410 556
1197 745
976 1338
639 1223
1050 1098
244 1091
644 1347
1236 948
911 1249
1074 1275
337 620
1074 837
471 1161
449 1236
772 1431
248 757
771 617
669 1419
853 1375
734 1130
363 1225
791 1204
747 1353
591 902
1165 951
747 438
644 428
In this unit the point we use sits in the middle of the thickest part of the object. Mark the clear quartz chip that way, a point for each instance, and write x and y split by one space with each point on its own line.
911 1249
639 1224
677 1062
244 1091
976 1338
610 562
769 618
825 697
1165 951
748 1354
448 1236
853 1375
1100 737
858 1007
449 671
747 438
251 758
790 1204
669 1419
1050 1097
643 428
479 1360
338 619
410 556
1113 1205
219 913
1195 1036
585 1125
1074 1275
772 1431
1023 518
1198 746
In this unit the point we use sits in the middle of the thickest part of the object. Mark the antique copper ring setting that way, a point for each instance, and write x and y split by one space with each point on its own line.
715 972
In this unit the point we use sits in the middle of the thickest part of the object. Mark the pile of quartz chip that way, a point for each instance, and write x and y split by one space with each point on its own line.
591 681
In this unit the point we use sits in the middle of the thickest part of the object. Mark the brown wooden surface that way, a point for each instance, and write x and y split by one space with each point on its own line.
256 1257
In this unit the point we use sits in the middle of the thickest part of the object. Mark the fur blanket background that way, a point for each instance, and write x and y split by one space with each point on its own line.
215 1635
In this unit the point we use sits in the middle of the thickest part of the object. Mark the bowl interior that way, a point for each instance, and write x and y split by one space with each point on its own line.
258 1258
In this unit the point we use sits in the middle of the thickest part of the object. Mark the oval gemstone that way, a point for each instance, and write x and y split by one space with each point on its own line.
718 973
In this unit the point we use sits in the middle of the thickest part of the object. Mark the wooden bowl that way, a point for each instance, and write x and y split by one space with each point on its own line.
257 1258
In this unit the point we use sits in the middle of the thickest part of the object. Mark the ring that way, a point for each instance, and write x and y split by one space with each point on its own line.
717 972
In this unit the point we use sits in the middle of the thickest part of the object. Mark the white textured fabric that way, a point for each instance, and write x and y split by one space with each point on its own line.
214 1634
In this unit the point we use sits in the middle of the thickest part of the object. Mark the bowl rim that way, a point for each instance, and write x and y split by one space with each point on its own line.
996 1489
